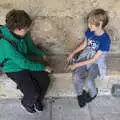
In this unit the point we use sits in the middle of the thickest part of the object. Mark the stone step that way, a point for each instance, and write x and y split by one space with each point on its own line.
61 81
61 86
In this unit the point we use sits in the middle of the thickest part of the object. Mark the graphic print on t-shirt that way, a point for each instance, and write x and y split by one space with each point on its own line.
92 43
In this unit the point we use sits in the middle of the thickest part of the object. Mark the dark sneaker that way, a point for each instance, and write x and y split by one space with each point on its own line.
29 108
89 98
39 106
81 99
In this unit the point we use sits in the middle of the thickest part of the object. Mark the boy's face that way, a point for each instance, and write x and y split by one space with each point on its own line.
92 27
21 32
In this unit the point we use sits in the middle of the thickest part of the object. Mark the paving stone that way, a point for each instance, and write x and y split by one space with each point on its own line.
105 108
102 108
107 117
13 110
68 109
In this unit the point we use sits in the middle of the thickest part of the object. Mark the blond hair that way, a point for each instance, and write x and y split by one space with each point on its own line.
98 15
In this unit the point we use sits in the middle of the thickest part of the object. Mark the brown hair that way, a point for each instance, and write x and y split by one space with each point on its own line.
98 15
18 19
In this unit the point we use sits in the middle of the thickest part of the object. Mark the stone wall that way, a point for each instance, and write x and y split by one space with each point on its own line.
57 24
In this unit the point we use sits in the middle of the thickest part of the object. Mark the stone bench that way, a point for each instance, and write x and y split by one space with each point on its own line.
61 81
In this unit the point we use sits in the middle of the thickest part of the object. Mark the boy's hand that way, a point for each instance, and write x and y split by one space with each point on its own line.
69 59
45 58
72 67
49 69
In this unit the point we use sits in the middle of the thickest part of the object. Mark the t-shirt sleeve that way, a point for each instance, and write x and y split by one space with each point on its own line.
105 44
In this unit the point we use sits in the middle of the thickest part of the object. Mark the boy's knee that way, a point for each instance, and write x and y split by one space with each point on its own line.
88 81
93 71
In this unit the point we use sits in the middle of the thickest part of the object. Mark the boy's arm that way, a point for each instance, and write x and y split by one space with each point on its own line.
20 60
78 49
92 60
32 47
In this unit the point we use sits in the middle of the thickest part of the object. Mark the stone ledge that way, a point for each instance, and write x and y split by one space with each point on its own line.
61 82
61 86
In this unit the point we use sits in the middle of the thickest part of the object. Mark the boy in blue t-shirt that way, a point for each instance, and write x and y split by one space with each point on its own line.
92 57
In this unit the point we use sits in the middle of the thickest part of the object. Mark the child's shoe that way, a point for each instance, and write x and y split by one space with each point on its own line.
89 98
39 106
30 109
81 99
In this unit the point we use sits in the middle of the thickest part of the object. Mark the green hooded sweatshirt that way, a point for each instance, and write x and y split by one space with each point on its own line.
18 60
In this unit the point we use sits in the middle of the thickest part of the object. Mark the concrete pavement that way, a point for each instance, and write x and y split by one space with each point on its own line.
66 108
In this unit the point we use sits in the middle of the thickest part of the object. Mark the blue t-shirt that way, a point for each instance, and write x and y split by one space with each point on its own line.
98 42
94 44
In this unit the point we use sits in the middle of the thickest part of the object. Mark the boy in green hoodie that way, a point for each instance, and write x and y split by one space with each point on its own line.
31 77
